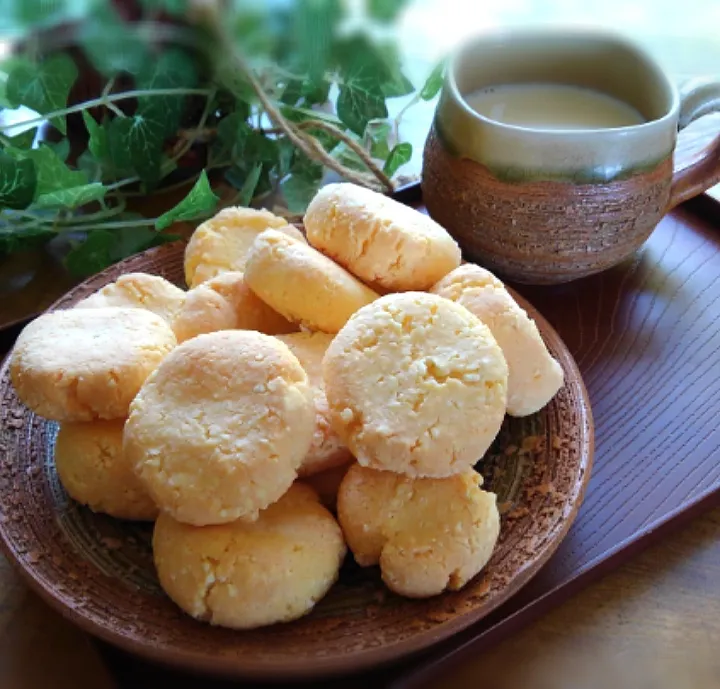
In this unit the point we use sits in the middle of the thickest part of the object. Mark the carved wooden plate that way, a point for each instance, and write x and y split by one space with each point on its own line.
98 571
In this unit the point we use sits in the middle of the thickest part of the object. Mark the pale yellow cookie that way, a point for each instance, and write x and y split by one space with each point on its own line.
246 575
302 284
139 290
87 364
427 534
327 484
534 376
416 384
327 450
225 302
93 469
380 240
221 243
218 432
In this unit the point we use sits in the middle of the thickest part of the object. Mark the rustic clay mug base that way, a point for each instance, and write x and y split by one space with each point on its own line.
549 206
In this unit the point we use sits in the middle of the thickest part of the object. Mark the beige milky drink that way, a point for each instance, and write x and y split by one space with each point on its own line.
552 106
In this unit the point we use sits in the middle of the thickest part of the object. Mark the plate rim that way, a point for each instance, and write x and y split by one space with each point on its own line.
316 667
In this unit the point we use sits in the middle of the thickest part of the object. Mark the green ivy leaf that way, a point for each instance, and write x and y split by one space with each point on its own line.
401 154
173 69
17 238
43 87
24 140
298 191
92 255
395 83
135 145
385 11
18 181
359 102
173 7
110 44
315 22
98 141
345 155
72 197
132 240
377 132
61 148
52 173
199 201
247 190
434 82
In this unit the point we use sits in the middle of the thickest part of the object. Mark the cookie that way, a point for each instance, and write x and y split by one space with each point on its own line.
87 364
219 431
327 484
534 376
416 384
302 284
225 302
327 450
94 471
139 290
246 575
427 535
380 240
221 243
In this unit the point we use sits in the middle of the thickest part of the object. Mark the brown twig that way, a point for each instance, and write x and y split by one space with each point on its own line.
305 142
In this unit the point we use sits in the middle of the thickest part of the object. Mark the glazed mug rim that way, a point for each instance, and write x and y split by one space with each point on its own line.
599 36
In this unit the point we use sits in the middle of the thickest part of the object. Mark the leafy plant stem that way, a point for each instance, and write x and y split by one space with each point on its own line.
106 100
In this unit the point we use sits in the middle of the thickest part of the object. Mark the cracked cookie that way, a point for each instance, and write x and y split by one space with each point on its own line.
302 284
225 302
140 291
87 364
416 384
427 535
382 241
94 470
327 450
246 575
221 243
218 432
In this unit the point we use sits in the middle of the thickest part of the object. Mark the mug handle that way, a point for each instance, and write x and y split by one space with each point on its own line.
696 165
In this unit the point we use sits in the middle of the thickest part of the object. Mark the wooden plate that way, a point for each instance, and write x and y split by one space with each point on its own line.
99 573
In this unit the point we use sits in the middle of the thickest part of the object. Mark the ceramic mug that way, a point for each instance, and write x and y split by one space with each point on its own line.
548 206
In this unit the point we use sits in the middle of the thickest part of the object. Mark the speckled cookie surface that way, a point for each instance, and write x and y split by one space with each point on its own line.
302 284
427 535
225 302
245 575
220 429
380 240
95 472
534 376
139 290
87 364
416 384
221 243
327 450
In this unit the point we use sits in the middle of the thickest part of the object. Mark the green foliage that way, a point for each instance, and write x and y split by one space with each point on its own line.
164 111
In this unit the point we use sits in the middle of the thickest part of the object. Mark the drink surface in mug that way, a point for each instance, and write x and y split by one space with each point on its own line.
552 106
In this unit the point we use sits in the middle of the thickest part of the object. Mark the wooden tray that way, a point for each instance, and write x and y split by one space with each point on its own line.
645 336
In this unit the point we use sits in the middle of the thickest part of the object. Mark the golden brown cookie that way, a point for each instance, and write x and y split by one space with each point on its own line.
302 284
416 384
225 302
246 575
219 430
534 376
327 450
221 243
93 469
427 535
380 240
87 364
139 290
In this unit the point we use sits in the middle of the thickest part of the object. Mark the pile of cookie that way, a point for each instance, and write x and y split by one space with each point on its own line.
357 372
